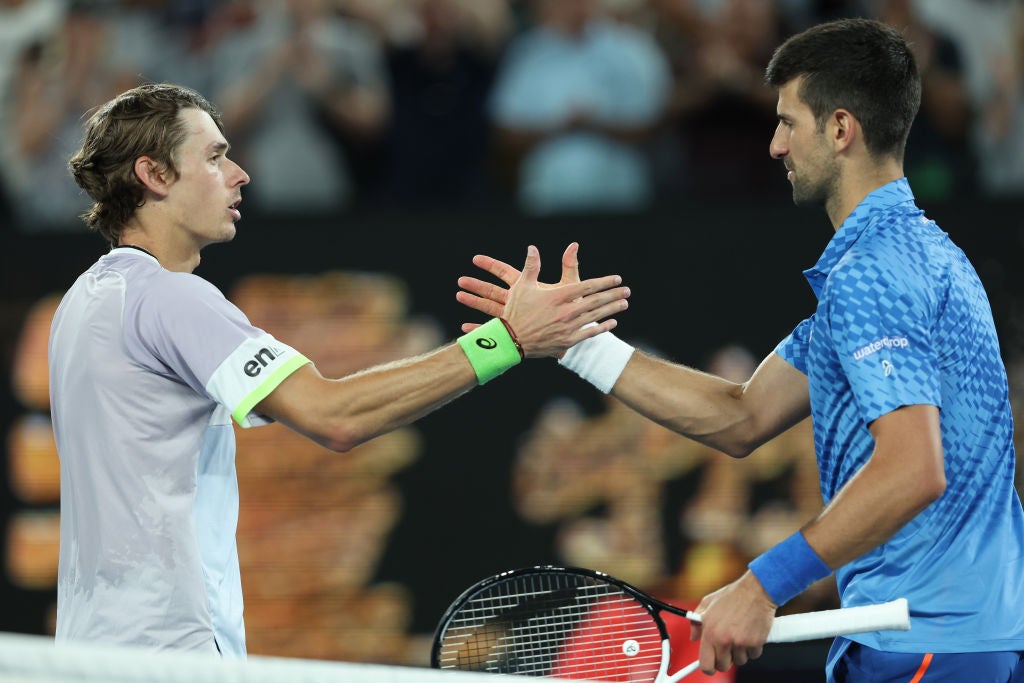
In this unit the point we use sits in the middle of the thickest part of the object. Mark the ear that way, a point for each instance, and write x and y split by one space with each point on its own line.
843 129
154 175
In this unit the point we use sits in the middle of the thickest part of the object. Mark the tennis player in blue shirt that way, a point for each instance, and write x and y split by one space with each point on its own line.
899 366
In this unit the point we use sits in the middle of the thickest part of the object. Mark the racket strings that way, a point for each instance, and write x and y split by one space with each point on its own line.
557 624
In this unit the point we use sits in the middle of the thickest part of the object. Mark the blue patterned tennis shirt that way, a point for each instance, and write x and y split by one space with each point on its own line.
902 319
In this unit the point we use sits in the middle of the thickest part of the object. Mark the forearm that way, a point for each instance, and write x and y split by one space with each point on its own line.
343 413
728 416
697 405
882 498
904 475
384 398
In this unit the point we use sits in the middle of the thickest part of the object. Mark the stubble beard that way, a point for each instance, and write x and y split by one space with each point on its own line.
818 189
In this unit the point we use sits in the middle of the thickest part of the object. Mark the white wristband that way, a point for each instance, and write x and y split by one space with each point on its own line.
599 360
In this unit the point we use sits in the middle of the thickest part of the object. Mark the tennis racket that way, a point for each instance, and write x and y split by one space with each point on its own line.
568 622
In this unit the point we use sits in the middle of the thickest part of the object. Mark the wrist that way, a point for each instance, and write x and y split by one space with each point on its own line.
491 349
600 360
787 569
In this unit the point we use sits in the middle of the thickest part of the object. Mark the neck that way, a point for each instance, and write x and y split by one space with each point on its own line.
142 249
854 188
172 258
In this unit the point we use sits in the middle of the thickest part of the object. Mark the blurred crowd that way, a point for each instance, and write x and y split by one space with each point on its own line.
557 106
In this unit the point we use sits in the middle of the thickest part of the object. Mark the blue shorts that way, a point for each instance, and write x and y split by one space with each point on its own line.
850 662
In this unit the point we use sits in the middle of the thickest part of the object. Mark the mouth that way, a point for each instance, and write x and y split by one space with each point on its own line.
236 215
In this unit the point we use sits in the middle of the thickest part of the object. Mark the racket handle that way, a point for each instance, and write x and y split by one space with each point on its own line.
830 623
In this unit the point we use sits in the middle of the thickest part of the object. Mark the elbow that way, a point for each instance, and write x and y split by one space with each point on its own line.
922 490
934 487
340 437
738 450
337 445
741 443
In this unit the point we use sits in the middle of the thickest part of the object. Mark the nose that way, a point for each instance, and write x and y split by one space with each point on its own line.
242 176
778 148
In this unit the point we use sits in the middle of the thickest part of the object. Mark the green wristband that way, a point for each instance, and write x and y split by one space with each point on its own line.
491 350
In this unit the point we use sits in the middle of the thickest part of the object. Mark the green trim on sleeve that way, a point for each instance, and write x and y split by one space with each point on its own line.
264 389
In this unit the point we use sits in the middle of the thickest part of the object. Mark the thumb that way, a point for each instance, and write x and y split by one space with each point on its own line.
531 269
571 264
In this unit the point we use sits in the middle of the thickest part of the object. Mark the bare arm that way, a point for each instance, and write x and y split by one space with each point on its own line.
903 476
734 418
342 413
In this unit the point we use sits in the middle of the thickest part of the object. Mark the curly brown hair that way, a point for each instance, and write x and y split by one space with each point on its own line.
143 121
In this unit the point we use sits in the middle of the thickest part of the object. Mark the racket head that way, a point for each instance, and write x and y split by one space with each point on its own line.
567 622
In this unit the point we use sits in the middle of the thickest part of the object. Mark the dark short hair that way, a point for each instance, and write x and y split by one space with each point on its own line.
861 65
143 121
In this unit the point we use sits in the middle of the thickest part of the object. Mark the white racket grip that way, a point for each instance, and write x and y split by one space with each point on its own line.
830 623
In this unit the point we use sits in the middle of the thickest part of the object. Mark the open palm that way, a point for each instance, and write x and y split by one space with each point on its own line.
490 299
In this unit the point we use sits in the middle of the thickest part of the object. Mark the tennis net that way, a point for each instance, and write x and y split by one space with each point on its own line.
37 659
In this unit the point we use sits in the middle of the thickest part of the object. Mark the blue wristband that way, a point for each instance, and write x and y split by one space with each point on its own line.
786 570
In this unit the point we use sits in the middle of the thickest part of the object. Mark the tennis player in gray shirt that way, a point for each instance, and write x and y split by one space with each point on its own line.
150 364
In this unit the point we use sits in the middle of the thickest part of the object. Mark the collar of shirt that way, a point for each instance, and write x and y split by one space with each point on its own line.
885 197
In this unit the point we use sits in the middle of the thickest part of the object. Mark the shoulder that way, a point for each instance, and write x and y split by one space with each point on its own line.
179 290
904 262
171 301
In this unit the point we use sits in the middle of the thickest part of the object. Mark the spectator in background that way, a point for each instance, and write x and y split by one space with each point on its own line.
22 23
938 159
300 86
983 31
577 96
91 55
721 108
441 75
802 14
1000 130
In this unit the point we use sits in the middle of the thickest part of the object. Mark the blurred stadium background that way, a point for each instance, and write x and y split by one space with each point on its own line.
354 557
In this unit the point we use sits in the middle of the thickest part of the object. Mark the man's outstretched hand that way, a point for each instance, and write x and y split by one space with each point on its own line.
547 318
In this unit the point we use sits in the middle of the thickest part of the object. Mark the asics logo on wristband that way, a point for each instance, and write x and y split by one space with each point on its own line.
485 343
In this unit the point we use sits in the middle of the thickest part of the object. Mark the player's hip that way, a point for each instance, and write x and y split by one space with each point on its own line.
851 662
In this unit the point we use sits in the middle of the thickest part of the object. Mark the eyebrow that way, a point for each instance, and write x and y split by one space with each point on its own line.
222 147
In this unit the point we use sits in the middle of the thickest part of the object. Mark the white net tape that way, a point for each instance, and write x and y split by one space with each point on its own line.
36 659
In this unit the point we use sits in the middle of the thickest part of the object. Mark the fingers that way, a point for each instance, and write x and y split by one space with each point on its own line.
602 304
722 657
531 269
711 659
571 264
587 287
486 306
469 327
498 269
484 290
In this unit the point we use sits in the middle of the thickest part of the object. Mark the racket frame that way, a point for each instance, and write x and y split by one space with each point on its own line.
893 615
652 605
